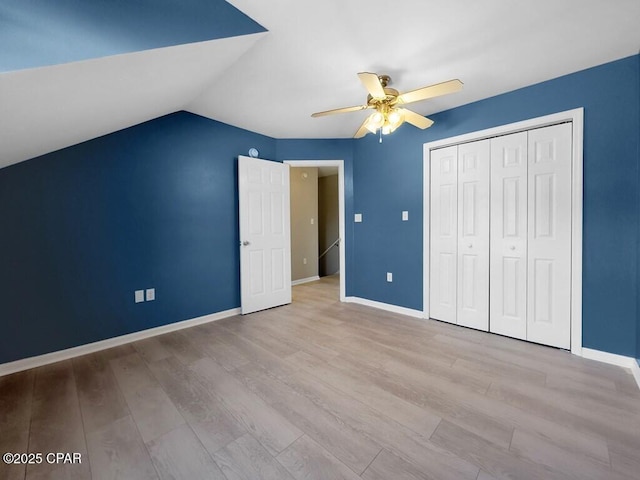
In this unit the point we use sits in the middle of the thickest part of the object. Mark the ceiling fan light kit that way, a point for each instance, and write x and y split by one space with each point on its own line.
386 101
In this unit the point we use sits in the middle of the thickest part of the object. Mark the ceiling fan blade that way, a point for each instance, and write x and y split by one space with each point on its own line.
432 91
372 83
415 119
363 130
340 110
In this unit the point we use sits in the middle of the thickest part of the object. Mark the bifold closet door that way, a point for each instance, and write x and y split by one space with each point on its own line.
473 235
444 234
549 238
508 272
530 274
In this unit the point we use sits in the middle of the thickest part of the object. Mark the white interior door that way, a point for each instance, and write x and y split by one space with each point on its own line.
508 271
549 239
473 235
444 234
265 239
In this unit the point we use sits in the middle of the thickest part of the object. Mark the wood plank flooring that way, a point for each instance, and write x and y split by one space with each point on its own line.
321 390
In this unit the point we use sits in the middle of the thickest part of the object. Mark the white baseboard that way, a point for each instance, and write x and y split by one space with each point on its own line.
611 358
635 370
47 358
614 359
305 280
385 306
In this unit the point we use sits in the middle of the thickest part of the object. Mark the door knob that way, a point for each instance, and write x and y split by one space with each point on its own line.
512 247
245 243
470 245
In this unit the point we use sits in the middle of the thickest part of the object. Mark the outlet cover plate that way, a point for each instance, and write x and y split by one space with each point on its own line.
151 294
139 296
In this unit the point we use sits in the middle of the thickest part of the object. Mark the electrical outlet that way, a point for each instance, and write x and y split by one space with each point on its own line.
139 296
405 215
389 277
151 294
357 218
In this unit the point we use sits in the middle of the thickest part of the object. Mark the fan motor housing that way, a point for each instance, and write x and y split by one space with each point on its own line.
392 95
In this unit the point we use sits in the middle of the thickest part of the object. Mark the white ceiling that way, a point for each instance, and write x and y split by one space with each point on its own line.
271 82
48 108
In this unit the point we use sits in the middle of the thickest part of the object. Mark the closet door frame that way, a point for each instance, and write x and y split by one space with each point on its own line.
576 117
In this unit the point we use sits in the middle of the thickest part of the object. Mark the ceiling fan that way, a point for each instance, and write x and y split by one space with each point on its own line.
387 102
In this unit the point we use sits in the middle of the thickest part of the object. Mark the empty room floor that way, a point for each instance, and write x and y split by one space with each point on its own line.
324 390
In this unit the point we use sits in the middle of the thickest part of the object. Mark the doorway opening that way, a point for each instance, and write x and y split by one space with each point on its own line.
317 222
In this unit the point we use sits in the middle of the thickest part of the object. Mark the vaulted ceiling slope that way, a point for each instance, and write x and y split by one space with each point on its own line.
49 108
36 33
78 69
270 82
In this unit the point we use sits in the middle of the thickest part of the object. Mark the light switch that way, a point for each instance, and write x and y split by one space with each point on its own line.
139 296
357 218
405 215
151 294
313 221
389 277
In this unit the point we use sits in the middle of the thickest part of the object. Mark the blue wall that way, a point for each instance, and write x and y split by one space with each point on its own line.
154 205
388 179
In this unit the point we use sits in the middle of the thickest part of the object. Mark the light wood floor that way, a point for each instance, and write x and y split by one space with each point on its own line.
323 390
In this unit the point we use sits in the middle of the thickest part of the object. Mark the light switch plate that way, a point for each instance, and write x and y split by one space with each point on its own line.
139 296
151 294
405 215
357 218
389 277
313 220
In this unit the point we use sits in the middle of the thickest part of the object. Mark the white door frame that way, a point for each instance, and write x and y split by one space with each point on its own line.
341 211
575 116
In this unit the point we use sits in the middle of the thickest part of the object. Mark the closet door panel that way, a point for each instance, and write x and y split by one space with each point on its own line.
508 249
549 236
473 235
444 234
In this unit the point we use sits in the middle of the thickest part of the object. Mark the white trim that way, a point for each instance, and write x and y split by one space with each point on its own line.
385 306
635 370
47 358
614 359
610 358
426 229
575 116
577 119
305 280
341 210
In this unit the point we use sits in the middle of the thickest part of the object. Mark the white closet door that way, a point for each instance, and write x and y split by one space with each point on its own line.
549 239
473 235
444 235
508 272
